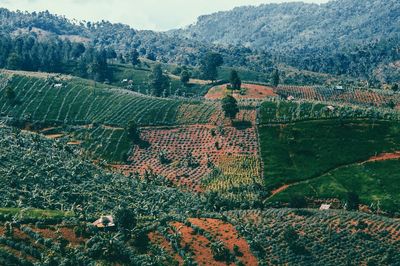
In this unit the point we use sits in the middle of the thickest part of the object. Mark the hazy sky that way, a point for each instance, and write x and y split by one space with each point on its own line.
140 14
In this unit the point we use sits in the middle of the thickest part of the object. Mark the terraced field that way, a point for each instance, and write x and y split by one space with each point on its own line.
77 102
352 96
185 155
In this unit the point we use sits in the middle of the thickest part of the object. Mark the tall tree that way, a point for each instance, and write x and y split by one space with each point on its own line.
236 82
134 57
133 132
185 77
275 78
230 107
209 66
160 83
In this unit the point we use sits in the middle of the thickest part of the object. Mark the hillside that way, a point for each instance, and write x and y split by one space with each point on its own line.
193 235
341 37
264 135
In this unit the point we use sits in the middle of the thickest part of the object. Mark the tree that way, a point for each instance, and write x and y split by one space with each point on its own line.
275 78
353 201
235 81
134 57
230 107
298 201
99 67
185 77
209 66
133 132
160 83
14 62
77 50
10 93
124 218
395 87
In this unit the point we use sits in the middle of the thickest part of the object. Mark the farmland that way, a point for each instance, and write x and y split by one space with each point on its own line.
295 153
285 236
77 102
377 98
265 135
186 154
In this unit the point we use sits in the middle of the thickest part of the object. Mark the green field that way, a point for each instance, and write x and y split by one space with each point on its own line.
286 112
80 102
29 213
304 150
141 78
376 183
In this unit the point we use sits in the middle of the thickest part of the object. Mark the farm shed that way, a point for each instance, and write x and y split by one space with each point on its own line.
325 207
290 98
104 222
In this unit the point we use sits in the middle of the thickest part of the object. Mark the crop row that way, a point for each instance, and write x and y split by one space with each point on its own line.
78 103
352 96
276 111
283 236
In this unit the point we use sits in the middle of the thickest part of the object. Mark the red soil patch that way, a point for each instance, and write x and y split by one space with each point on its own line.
279 190
253 91
1 231
69 235
46 233
198 244
206 144
228 234
385 156
159 240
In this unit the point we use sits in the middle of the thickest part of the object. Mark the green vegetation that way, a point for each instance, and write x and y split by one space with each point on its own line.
78 101
374 182
304 150
311 237
235 82
288 112
31 214
230 107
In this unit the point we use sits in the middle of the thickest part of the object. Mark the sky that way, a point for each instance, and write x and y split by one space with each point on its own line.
140 14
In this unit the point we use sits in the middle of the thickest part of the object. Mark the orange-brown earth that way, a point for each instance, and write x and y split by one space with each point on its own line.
385 156
200 246
252 91
228 235
159 240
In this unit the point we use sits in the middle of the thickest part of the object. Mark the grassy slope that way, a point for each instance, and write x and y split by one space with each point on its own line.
304 150
321 151
79 102
374 182
141 79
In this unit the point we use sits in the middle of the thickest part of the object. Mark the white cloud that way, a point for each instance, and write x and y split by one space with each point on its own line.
140 14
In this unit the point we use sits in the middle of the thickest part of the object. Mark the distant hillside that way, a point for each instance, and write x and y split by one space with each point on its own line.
342 36
296 26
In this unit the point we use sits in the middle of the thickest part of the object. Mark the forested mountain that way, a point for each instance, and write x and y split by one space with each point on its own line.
341 37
